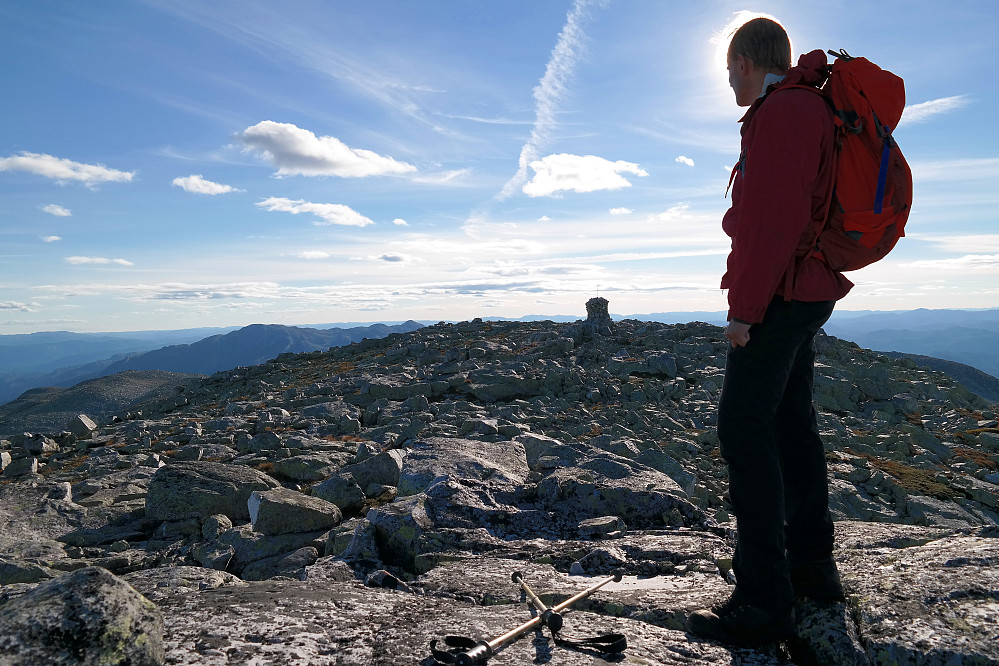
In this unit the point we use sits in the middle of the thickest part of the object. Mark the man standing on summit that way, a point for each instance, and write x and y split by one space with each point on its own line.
779 296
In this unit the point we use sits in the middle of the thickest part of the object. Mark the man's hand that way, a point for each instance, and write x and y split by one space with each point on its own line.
738 333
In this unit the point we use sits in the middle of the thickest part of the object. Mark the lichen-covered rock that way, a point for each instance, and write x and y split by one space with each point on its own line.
163 580
82 426
284 511
934 603
398 527
342 491
309 467
21 467
201 489
88 617
432 458
288 565
383 469
14 570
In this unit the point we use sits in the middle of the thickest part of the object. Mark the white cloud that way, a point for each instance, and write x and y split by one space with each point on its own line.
196 184
549 91
683 159
620 211
677 212
15 306
917 113
399 222
313 254
62 170
51 239
57 210
578 173
299 152
544 218
98 260
328 213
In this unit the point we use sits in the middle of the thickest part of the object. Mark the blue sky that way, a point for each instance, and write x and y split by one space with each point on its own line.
184 163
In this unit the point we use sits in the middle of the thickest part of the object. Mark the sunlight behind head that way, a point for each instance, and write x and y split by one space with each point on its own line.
720 41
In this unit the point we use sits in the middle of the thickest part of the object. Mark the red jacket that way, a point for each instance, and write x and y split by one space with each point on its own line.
783 185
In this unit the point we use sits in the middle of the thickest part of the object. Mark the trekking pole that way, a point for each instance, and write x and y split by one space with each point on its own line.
477 653
549 618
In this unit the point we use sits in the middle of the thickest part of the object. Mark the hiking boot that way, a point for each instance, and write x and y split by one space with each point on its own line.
817 580
741 624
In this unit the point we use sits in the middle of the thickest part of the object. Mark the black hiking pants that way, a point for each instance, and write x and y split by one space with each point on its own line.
776 461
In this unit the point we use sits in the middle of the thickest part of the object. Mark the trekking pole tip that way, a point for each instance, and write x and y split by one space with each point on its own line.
618 575
517 576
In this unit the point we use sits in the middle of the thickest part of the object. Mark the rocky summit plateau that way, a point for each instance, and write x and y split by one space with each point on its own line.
350 506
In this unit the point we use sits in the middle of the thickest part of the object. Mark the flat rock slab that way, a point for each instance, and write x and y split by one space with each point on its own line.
936 603
299 624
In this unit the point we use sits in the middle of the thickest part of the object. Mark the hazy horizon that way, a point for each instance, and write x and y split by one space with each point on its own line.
187 164
837 314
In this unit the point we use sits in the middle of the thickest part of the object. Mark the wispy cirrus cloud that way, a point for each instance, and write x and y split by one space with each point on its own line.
186 292
917 113
970 262
76 261
57 210
966 243
958 169
51 239
63 170
326 212
578 173
549 91
198 184
299 152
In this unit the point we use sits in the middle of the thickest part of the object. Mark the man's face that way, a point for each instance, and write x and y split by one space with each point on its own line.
740 70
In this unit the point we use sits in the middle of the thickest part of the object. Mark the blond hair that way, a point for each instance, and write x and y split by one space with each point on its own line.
763 41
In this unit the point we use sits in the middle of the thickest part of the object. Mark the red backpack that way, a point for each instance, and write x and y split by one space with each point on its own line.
873 181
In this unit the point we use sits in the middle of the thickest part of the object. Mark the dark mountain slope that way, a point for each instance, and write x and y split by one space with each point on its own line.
250 345
48 409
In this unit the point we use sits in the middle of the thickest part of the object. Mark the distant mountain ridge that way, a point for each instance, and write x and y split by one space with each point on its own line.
65 359
250 345
963 336
51 350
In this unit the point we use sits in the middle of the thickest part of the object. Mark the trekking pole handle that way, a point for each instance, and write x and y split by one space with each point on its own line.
477 655
549 618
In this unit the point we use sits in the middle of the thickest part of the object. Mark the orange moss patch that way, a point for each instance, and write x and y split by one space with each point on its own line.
978 457
913 479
